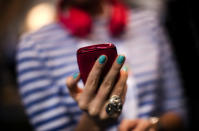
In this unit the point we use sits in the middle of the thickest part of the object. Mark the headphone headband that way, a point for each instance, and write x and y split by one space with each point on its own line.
79 23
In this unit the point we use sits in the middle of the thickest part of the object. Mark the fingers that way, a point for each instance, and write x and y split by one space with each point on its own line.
144 125
119 90
94 75
124 73
92 83
71 83
109 80
97 105
127 125
94 103
135 125
119 87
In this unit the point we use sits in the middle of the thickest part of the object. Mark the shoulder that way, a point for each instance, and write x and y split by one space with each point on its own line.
147 24
44 36
142 14
143 19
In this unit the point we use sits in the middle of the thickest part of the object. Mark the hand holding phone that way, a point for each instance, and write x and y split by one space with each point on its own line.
93 98
87 56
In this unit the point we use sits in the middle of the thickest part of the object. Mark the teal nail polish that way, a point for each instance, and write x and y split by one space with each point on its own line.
75 75
120 59
125 68
102 59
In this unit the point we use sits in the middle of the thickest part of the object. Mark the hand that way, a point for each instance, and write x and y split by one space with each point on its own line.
93 100
137 125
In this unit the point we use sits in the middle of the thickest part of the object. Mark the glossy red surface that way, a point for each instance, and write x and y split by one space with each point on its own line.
87 56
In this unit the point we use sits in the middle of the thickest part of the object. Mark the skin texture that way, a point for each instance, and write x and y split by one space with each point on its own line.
92 100
135 125
168 121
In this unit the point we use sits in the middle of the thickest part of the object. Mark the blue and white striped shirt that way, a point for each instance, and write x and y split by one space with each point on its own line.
46 57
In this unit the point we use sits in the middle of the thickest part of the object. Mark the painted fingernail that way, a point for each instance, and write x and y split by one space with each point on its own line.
125 68
120 59
75 75
102 59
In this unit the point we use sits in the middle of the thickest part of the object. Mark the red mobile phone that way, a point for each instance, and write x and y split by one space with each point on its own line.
86 57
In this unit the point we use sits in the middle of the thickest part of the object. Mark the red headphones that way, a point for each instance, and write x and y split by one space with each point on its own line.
79 23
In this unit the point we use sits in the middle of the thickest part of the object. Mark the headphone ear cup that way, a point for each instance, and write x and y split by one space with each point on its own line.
78 22
118 19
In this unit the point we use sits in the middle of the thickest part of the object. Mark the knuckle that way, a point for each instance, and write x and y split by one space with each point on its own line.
92 79
116 68
82 105
103 116
121 83
93 111
125 77
98 67
68 82
107 83
121 86
93 82
122 78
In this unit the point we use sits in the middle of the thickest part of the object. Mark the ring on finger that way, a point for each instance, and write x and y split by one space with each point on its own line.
114 105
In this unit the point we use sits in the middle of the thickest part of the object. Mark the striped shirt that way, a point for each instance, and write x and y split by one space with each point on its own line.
46 57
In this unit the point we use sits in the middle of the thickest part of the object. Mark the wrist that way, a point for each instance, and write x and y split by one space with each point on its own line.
96 123
87 123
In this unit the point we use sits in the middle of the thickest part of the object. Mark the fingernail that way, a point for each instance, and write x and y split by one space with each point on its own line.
125 68
102 59
75 75
120 59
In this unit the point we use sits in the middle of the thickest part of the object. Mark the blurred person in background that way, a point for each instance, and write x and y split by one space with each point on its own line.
154 99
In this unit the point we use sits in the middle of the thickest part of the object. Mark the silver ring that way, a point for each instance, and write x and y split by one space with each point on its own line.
114 105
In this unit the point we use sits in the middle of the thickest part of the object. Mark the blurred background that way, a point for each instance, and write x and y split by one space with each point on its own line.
18 17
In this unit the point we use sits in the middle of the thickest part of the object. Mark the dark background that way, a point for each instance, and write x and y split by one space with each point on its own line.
12 13
182 23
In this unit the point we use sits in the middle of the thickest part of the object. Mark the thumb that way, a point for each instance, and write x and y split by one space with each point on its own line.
71 83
